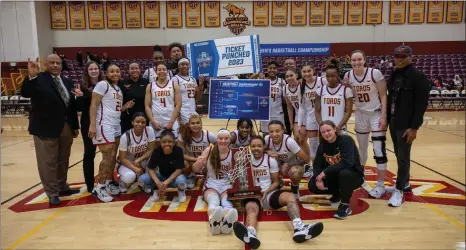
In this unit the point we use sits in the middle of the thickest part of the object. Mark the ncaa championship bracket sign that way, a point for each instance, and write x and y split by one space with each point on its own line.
223 57
234 99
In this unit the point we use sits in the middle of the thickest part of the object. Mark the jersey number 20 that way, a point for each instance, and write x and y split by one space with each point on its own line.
364 97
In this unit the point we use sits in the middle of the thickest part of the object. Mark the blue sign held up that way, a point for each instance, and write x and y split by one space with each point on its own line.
234 99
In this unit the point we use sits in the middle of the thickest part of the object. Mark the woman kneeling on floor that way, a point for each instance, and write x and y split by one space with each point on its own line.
265 170
337 168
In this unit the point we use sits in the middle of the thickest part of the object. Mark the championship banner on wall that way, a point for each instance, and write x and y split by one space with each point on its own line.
58 15
193 14
355 12
417 11
317 12
295 49
133 14
174 14
455 11
224 57
397 12
77 15
374 12
435 12
151 14
260 13
212 14
336 13
279 13
114 15
95 14
298 13
235 99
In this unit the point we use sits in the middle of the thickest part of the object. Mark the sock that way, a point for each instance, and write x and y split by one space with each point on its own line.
313 144
298 223
253 230
363 141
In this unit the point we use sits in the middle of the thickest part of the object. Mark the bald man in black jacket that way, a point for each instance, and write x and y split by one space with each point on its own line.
53 122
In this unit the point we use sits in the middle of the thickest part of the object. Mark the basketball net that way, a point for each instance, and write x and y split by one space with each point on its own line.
242 157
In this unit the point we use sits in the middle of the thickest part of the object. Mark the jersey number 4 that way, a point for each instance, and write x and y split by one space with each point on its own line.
364 97
162 101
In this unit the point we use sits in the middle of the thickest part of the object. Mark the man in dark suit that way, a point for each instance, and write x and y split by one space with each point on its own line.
53 122
407 100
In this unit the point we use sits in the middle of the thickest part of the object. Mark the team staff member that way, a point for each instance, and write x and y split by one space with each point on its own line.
176 52
53 123
158 58
91 76
337 168
134 89
407 100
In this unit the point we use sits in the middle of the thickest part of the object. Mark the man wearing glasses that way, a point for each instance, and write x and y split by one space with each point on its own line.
407 100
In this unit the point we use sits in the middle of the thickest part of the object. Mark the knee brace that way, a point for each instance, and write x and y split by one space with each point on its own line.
213 201
226 203
128 177
380 151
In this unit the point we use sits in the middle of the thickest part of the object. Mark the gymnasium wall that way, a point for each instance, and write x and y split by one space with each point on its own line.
334 34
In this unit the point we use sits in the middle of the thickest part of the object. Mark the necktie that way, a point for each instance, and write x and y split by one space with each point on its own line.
62 91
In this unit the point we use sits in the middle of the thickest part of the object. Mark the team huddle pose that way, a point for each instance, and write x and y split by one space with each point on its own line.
168 147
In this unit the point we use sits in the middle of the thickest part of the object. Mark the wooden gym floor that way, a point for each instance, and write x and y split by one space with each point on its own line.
433 217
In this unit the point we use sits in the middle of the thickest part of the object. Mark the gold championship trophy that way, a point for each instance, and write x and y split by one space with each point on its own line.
241 176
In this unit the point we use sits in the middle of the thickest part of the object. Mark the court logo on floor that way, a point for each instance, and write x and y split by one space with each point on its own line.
312 207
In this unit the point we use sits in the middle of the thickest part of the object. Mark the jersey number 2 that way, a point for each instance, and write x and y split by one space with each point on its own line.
191 93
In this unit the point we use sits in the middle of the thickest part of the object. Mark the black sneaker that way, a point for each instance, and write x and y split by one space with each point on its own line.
245 235
335 198
343 212
307 232
408 189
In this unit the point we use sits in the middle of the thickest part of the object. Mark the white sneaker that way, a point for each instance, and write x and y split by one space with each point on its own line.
141 185
181 196
155 196
308 171
123 187
227 222
396 199
307 232
113 188
378 191
215 220
103 195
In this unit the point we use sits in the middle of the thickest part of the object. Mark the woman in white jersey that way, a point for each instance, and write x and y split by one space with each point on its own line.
370 89
194 140
287 152
105 131
163 103
334 101
158 57
220 210
293 94
276 97
190 91
242 135
136 147
306 116
265 171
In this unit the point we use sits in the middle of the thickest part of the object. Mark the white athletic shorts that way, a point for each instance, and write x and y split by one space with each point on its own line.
366 122
266 203
311 125
265 124
185 114
122 171
175 128
219 187
106 134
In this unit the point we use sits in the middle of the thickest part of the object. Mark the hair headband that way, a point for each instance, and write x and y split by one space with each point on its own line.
182 60
223 131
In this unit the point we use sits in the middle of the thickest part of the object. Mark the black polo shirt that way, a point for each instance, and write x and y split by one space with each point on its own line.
167 164
134 90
